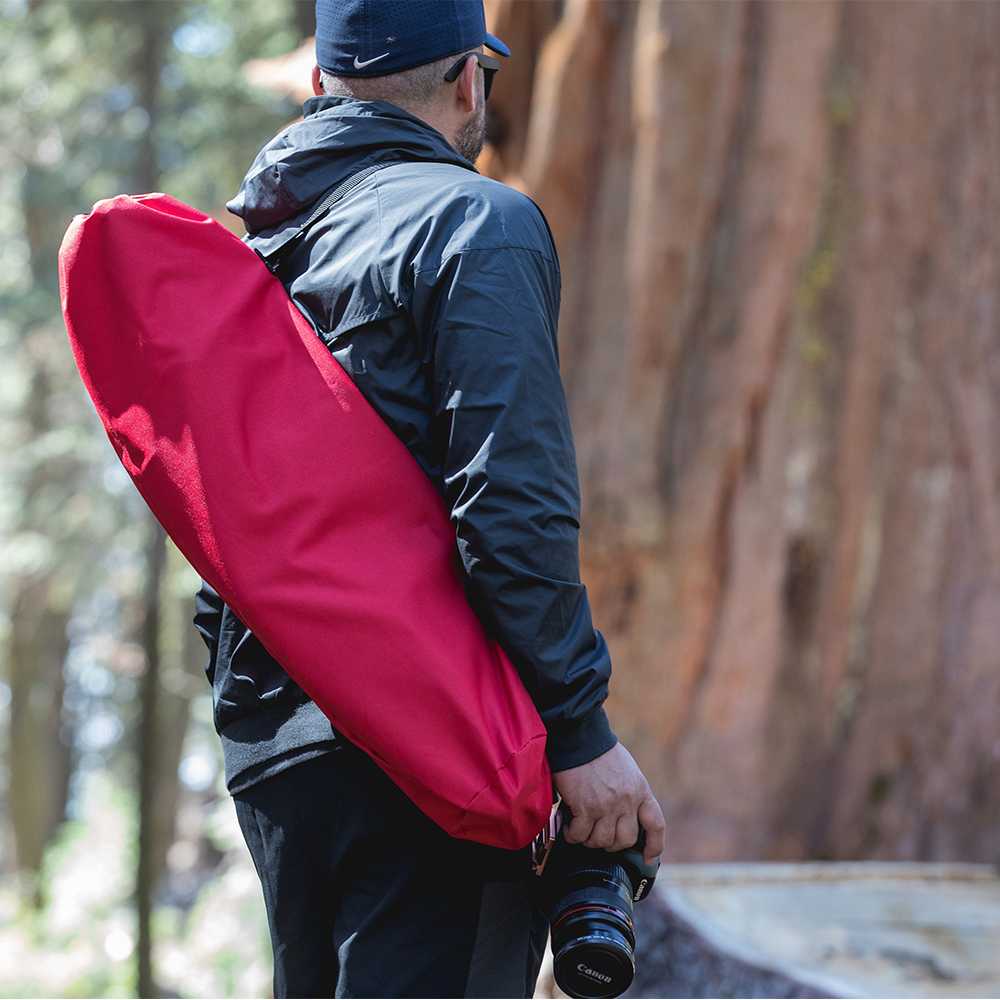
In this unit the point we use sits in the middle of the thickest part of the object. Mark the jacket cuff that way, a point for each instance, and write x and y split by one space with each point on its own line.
582 741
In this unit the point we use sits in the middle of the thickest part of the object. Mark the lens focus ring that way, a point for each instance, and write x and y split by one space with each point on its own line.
595 897
603 868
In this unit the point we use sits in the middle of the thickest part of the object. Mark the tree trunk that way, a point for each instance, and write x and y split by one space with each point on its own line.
779 340
39 758
145 881
38 750
156 784
182 676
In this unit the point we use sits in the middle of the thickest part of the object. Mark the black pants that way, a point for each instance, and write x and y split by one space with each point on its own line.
366 897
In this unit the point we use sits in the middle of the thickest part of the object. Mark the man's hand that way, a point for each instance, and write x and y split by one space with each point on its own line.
609 797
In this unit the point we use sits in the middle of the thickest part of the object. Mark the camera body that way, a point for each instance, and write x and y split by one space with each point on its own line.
587 895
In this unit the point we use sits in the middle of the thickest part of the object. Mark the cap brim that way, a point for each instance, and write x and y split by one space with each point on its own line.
494 43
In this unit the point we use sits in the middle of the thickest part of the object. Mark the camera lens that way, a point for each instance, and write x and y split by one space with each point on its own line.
593 940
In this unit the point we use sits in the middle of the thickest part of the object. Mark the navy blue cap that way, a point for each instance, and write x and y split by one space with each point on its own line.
379 37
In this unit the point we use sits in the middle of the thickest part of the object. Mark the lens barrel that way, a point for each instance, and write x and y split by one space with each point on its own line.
593 939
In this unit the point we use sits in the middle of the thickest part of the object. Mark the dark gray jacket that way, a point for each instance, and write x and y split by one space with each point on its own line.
437 290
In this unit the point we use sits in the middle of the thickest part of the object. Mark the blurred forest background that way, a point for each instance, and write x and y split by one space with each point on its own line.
780 340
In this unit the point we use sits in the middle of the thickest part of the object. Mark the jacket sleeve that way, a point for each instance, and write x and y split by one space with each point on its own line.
208 620
510 481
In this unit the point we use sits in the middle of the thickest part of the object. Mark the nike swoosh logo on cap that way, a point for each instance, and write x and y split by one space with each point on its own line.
368 62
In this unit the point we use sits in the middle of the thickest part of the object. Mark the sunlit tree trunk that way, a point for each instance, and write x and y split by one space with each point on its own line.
779 340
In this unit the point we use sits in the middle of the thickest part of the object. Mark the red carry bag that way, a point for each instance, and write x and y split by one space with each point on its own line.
290 496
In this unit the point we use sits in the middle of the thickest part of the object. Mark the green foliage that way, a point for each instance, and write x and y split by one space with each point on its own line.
96 99
99 98
73 945
85 115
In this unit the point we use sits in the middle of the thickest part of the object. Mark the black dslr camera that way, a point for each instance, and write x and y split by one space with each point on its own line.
587 895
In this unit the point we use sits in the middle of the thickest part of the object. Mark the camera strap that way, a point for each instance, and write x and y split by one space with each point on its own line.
275 257
541 846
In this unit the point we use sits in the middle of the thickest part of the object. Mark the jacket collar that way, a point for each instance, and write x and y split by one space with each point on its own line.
337 137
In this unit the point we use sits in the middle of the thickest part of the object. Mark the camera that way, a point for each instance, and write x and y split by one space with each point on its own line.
587 895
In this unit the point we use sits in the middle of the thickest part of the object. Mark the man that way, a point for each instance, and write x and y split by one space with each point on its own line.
437 290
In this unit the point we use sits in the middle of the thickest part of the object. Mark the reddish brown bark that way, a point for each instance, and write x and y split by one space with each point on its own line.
779 337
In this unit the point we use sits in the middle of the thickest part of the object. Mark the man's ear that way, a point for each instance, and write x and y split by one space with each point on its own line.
465 86
317 86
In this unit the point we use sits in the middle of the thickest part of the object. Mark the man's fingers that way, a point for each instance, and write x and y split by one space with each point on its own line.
603 834
626 832
579 829
651 817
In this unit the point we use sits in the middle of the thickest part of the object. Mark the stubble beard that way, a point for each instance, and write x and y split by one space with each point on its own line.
469 142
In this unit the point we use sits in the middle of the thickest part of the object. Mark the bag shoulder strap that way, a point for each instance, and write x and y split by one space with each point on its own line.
276 257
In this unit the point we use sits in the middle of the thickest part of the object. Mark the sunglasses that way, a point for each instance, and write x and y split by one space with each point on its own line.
488 64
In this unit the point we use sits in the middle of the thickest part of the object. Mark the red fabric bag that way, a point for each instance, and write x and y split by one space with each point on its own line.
290 496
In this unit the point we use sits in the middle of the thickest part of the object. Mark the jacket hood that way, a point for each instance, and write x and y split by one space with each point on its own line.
337 137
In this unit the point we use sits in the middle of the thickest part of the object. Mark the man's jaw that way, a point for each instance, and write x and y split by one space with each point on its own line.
470 139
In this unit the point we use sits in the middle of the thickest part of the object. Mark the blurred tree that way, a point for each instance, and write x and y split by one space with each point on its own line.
97 99
40 760
779 339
